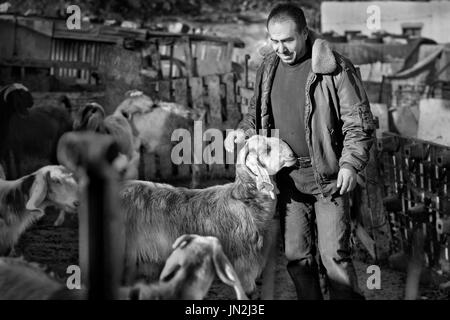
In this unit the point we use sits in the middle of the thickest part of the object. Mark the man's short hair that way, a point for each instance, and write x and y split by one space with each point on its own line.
288 11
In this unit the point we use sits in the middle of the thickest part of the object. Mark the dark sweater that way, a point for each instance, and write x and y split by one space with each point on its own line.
288 103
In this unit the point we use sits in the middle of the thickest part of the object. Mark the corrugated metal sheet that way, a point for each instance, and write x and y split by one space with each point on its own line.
363 53
75 51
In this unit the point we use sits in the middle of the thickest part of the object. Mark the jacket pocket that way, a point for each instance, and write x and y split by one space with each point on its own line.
335 144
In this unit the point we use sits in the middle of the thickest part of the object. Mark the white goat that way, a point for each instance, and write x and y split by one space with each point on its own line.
238 214
119 125
190 270
154 129
91 117
24 200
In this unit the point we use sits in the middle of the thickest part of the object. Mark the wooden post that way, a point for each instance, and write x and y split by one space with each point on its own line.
101 232
199 169
156 58
369 206
171 61
189 58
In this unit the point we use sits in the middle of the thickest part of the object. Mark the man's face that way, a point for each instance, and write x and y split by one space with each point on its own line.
287 42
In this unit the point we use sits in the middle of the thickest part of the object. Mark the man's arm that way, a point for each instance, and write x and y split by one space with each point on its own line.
358 123
248 123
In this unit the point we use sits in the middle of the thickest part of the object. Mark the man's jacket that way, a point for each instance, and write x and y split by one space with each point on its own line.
338 122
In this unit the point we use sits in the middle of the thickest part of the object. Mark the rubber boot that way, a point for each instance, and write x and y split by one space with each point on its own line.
306 280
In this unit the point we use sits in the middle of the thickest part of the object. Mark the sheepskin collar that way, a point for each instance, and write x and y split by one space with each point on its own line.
322 57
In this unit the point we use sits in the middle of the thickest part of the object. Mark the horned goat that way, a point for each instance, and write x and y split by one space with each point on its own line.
155 128
29 135
238 213
91 117
24 200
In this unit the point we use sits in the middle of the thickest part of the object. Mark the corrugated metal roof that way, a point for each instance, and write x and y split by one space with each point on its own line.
363 53
57 28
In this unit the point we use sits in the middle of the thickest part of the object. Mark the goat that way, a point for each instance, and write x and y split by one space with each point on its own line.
91 117
155 128
187 275
22 280
29 134
14 99
24 200
190 270
238 214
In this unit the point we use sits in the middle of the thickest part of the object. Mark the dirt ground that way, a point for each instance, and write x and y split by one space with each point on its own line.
57 248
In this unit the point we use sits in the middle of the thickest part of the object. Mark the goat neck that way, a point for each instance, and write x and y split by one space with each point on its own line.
244 189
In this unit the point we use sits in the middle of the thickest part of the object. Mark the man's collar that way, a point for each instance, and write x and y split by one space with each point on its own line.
322 57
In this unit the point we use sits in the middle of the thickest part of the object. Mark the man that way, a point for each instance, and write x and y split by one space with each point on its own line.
316 100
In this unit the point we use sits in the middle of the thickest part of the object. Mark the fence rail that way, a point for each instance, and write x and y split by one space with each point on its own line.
416 179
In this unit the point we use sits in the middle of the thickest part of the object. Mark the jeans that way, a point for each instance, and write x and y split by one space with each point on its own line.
309 217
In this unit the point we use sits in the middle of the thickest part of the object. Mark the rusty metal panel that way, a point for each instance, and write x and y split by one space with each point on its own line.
165 90
180 91
232 107
214 100
197 93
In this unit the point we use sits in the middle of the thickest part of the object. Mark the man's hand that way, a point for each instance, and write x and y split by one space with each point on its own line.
235 136
346 180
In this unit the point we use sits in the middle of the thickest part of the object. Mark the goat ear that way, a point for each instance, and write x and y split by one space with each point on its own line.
263 181
172 263
38 192
225 271
67 151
